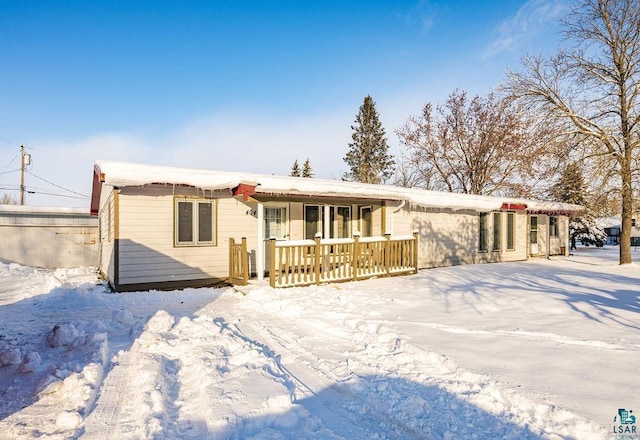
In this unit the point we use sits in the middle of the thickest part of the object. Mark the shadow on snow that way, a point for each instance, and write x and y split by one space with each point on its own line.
378 407
91 309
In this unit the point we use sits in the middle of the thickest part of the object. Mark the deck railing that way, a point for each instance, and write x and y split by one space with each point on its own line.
305 262
238 262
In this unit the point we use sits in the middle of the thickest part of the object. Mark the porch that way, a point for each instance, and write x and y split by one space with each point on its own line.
305 262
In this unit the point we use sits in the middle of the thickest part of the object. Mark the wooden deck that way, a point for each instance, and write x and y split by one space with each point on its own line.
305 262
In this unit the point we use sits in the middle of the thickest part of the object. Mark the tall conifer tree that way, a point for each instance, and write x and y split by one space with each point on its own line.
368 156
306 169
571 188
295 169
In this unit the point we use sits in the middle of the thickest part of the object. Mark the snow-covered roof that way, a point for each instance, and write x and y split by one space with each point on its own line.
43 210
121 174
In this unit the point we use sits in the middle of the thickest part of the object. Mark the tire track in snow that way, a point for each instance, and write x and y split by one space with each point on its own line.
100 422
136 399
338 406
415 392
526 334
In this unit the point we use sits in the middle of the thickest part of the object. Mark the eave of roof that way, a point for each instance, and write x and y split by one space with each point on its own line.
122 174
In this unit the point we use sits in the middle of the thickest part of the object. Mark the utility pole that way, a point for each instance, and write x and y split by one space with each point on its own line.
24 161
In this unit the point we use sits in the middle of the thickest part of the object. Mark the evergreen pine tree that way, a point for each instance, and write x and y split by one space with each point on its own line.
295 169
306 169
571 188
368 157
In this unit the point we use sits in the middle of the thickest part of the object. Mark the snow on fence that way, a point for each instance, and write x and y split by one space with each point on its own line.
304 262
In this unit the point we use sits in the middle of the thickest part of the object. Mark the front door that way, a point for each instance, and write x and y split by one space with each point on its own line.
275 226
533 236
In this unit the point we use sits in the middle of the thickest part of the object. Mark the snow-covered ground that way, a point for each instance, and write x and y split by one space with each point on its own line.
528 350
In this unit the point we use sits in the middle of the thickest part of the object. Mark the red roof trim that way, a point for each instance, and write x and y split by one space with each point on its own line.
98 178
244 190
514 206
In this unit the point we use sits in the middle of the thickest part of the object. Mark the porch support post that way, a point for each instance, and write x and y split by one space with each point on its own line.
316 262
326 221
548 236
261 244
415 250
272 258
387 253
355 258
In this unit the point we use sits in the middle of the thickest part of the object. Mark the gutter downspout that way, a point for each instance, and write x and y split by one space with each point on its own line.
395 211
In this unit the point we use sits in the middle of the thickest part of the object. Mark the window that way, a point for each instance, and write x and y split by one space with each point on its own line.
366 227
194 222
553 226
511 232
533 230
109 219
497 229
340 222
312 221
275 222
482 233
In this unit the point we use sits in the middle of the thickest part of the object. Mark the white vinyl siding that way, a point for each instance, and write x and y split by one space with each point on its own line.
447 238
147 238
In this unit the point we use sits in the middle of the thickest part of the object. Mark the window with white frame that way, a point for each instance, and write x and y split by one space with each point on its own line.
109 221
366 221
553 226
195 222
482 232
511 231
275 222
312 221
497 231
340 226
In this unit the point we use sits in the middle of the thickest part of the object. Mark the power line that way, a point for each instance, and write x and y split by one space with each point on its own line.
12 143
44 193
58 195
58 186
9 142
11 161
22 188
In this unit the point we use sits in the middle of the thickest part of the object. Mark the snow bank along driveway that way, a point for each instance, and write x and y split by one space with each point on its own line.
537 349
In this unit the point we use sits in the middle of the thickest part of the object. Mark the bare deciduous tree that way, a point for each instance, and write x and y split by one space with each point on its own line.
6 199
593 89
478 146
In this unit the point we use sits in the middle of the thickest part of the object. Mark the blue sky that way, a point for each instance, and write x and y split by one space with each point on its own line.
245 86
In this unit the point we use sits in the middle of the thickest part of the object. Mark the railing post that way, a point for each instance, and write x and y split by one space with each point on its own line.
272 262
231 260
316 267
356 254
415 251
387 253
244 258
